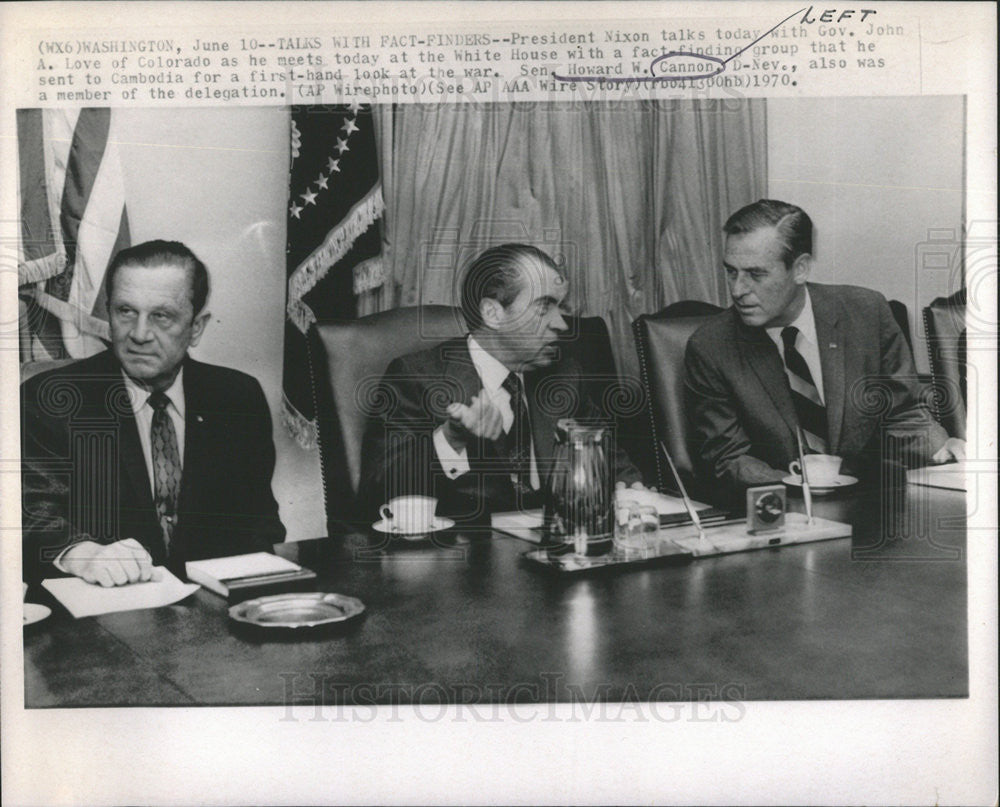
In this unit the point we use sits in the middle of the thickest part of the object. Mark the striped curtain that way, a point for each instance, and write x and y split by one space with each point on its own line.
631 195
73 221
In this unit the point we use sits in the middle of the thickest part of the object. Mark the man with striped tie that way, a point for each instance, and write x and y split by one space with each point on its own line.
791 354
141 455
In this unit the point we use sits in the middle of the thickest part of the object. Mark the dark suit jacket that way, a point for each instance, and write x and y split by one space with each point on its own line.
741 410
84 476
398 455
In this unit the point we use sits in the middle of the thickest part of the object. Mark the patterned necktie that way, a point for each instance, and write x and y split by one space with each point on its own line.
805 396
166 466
518 442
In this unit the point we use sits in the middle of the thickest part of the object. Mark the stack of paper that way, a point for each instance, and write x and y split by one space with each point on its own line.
527 524
670 508
81 598
951 476
523 524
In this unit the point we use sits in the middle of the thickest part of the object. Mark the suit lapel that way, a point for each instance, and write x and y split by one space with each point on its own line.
762 356
197 429
832 355
133 461
543 426
132 464
456 360
458 365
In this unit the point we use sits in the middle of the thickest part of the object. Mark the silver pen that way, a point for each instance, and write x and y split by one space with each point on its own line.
806 492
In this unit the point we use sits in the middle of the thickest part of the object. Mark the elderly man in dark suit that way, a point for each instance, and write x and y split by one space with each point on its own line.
791 354
473 419
141 455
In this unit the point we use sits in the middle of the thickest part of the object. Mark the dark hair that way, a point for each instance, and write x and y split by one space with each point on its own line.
792 223
171 253
495 275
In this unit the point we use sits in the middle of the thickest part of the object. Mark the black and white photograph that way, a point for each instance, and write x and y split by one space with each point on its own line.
602 408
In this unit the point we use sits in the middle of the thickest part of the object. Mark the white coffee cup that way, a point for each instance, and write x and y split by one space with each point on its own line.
822 469
409 513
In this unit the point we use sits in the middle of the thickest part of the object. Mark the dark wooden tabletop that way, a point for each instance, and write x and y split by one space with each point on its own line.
465 620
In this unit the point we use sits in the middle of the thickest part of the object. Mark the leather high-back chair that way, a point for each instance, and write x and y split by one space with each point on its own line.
660 341
32 368
352 353
902 317
944 326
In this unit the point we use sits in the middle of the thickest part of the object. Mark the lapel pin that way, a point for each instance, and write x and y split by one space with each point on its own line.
833 344
199 418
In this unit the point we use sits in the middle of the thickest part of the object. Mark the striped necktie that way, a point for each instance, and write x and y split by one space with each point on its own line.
166 466
809 406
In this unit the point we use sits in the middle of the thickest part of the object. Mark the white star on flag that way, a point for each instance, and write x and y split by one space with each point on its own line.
332 164
295 210
354 106
341 146
321 182
349 126
309 197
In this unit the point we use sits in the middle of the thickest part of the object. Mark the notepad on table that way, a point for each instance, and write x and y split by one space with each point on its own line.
527 524
670 508
951 476
81 598
240 577
523 524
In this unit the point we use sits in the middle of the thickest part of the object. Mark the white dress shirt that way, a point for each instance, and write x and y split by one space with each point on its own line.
143 411
806 343
492 373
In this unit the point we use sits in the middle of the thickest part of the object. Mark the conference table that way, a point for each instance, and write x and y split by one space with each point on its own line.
464 619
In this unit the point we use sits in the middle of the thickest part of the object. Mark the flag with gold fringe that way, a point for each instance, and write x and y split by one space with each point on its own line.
335 207
73 221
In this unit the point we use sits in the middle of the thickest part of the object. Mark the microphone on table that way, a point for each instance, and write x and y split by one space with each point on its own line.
687 499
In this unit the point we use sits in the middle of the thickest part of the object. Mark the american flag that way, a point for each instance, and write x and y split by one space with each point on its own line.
73 221
334 240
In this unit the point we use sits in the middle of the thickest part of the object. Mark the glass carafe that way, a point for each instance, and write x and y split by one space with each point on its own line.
582 490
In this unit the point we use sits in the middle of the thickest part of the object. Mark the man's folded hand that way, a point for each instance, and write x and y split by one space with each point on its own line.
116 564
480 418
